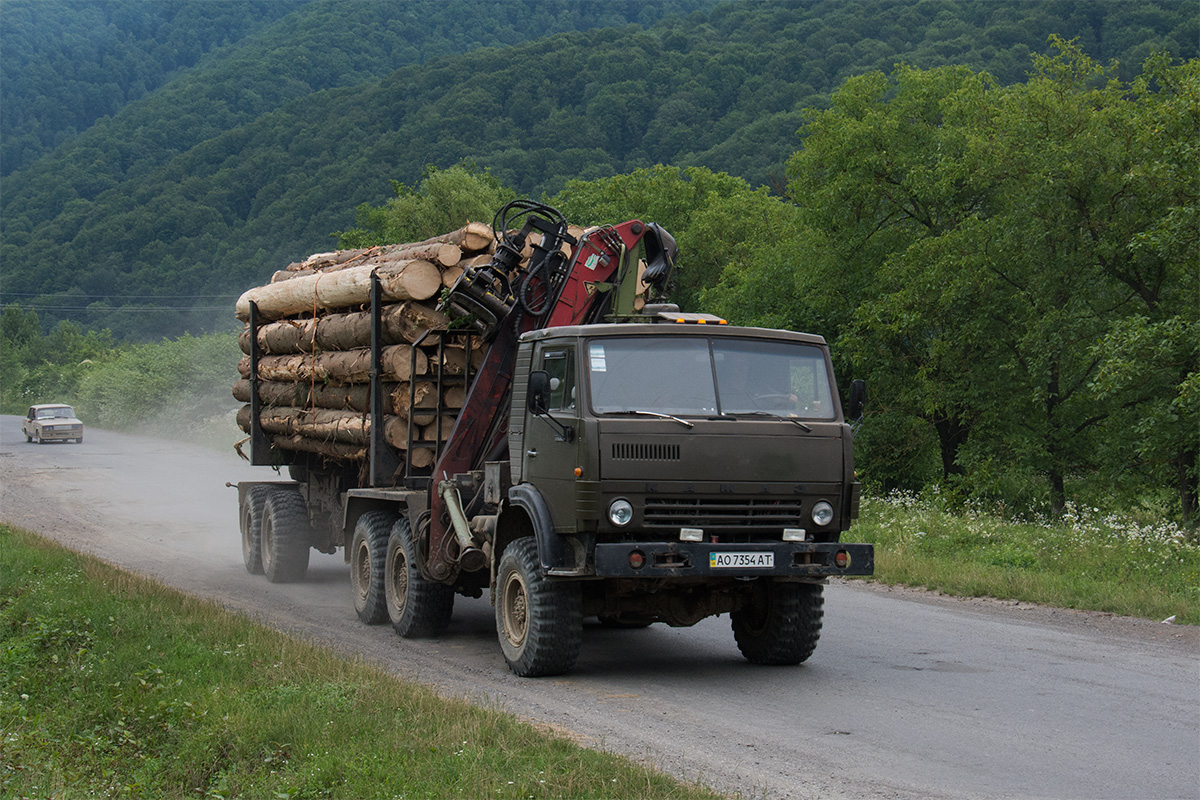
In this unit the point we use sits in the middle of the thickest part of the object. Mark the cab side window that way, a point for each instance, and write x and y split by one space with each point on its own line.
560 366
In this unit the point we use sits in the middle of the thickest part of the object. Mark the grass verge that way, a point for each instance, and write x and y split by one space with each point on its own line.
1089 560
115 686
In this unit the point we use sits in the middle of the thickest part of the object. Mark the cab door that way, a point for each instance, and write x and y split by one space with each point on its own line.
552 440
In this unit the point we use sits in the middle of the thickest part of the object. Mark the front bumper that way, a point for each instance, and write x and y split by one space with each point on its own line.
687 559
60 434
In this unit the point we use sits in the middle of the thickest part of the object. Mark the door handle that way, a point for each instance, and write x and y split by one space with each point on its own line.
531 453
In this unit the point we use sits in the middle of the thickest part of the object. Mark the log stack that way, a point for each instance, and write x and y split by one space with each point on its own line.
314 339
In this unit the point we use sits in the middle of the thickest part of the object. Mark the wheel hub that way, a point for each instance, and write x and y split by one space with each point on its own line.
362 570
516 611
399 584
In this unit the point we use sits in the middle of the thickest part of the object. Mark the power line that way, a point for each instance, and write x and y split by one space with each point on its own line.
123 309
120 296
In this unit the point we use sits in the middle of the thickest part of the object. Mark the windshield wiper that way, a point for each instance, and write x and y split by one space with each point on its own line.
671 417
769 415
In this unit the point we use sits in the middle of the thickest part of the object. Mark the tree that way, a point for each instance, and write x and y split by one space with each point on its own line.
985 254
884 185
445 200
1149 367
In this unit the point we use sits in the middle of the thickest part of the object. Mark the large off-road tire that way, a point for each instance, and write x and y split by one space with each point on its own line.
285 536
539 622
251 514
781 624
368 549
418 608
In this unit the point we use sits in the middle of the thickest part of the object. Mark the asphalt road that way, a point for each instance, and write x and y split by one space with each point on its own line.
909 695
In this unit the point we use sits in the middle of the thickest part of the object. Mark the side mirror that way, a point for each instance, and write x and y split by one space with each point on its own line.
538 396
858 399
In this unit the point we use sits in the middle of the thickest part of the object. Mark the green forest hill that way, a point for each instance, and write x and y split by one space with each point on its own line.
201 146
989 209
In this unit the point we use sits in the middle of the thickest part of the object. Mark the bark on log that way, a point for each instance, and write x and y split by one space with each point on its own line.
356 397
322 424
404 280
401 322
441 254
444 254
291 429
353 366
328 262
472 237
445 250
338 451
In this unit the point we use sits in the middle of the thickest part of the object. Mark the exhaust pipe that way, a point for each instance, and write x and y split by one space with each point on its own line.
470 557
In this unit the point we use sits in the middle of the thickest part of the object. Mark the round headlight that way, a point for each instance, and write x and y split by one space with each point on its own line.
620 513
822 513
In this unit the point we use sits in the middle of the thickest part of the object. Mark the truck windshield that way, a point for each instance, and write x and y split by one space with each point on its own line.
699 376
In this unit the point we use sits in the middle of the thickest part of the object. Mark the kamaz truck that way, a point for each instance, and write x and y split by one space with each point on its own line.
614 459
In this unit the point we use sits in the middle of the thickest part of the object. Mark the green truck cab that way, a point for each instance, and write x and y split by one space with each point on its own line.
679 469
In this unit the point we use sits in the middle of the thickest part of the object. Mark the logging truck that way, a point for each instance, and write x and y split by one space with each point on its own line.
541 428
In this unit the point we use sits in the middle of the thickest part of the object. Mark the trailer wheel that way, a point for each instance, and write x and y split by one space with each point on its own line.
418 608
251 518
285 536
539 622
368 549
782 623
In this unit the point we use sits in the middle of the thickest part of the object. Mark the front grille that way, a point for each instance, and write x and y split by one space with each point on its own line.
637 451
718 515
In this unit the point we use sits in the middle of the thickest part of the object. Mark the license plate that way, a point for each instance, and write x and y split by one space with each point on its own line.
741 560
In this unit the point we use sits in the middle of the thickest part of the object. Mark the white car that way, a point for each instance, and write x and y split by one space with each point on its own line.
52 422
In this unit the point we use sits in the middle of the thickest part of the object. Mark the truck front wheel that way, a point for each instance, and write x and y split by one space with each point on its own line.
781 623
539 622
285 536
368 551
418 608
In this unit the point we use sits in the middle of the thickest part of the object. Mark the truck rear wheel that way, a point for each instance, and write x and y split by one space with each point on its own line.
781 624
368 550
418 608
539 622
251 519
285 536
